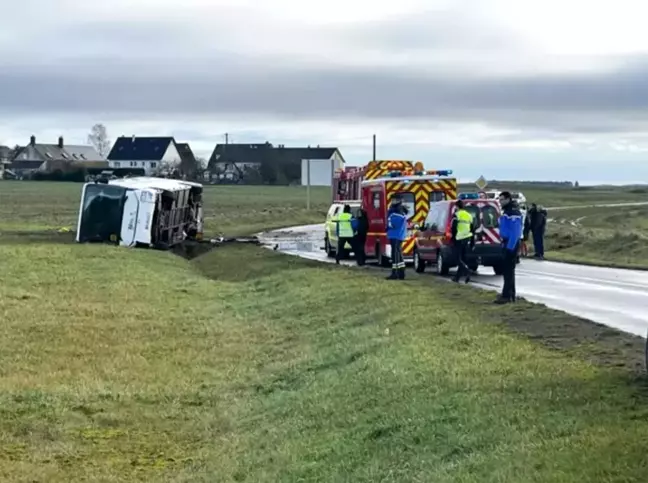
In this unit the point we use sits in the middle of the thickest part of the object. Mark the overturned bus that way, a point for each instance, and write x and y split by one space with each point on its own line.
141 211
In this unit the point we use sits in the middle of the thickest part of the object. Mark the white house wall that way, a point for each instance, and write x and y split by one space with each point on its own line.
320 171
172 156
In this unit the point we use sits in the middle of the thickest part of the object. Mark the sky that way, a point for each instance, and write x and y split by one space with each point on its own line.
551 90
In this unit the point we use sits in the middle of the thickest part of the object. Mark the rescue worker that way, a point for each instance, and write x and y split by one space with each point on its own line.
511 227
344 231
361 228
462 236
397 233
538 224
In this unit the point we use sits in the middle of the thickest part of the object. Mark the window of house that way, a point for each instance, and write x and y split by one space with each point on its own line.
133 163
116 164
153 165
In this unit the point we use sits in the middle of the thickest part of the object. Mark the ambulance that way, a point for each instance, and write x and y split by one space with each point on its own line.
378 183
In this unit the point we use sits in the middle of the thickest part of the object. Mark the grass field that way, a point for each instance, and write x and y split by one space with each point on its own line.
246 365
614 236
557 195
232 210
239 367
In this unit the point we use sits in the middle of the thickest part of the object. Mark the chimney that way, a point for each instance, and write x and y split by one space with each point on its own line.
60 142
32 140
133 138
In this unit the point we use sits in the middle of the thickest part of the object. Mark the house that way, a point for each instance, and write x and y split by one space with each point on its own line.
232 160
189 165
6 153
153 154
49 157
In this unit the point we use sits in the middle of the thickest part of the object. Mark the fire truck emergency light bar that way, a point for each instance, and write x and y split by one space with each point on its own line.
468 196
447 172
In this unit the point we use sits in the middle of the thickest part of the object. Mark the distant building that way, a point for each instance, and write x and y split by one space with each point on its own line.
153 154
188 162
233 160
49 157
6 153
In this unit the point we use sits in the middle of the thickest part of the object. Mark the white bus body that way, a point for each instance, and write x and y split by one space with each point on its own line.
141 211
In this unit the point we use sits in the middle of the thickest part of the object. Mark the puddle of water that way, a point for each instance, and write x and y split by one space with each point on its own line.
299 246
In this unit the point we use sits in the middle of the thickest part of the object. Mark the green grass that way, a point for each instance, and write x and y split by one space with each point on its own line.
609 236
233 210
245 365
238 366
565 196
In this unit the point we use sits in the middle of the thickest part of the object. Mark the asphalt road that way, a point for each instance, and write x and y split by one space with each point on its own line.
613 297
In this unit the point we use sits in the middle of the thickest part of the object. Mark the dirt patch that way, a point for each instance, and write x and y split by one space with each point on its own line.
585 339
39 236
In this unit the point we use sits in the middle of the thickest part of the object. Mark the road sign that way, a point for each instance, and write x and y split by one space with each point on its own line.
481 183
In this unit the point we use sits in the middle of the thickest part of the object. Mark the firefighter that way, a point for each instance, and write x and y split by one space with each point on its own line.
344 229
396 233
462 234
511 226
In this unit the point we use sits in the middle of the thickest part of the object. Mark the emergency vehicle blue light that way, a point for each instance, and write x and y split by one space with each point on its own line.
394 174
440 172
468 196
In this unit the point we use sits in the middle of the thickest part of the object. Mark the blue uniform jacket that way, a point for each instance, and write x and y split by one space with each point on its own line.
396 225
511 226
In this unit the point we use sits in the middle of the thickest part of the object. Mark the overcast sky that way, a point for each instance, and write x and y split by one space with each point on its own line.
505 88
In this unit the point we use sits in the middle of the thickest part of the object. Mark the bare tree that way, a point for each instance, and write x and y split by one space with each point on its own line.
98 137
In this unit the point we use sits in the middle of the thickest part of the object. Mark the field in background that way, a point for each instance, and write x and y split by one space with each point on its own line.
557 195
613 236
232 210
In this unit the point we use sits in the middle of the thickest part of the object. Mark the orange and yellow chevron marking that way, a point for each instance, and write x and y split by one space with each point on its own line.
408 246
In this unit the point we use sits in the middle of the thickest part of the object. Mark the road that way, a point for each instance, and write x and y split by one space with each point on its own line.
613 297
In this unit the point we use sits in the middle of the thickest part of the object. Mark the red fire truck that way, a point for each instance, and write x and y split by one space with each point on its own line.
378 182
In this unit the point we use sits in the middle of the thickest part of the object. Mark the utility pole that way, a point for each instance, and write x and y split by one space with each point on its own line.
308 182
226 138
374 147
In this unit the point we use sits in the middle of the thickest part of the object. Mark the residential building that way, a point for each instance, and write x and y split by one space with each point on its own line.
6 153
153 154
49 157
232 160
188 162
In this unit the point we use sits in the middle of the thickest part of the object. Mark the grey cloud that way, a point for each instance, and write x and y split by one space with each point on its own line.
225 84
461 27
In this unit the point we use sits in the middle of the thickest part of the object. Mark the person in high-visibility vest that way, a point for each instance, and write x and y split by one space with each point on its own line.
461 236
344 230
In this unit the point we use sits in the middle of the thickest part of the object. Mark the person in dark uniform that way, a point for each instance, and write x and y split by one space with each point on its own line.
511 226
396 233
538 224
361 228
